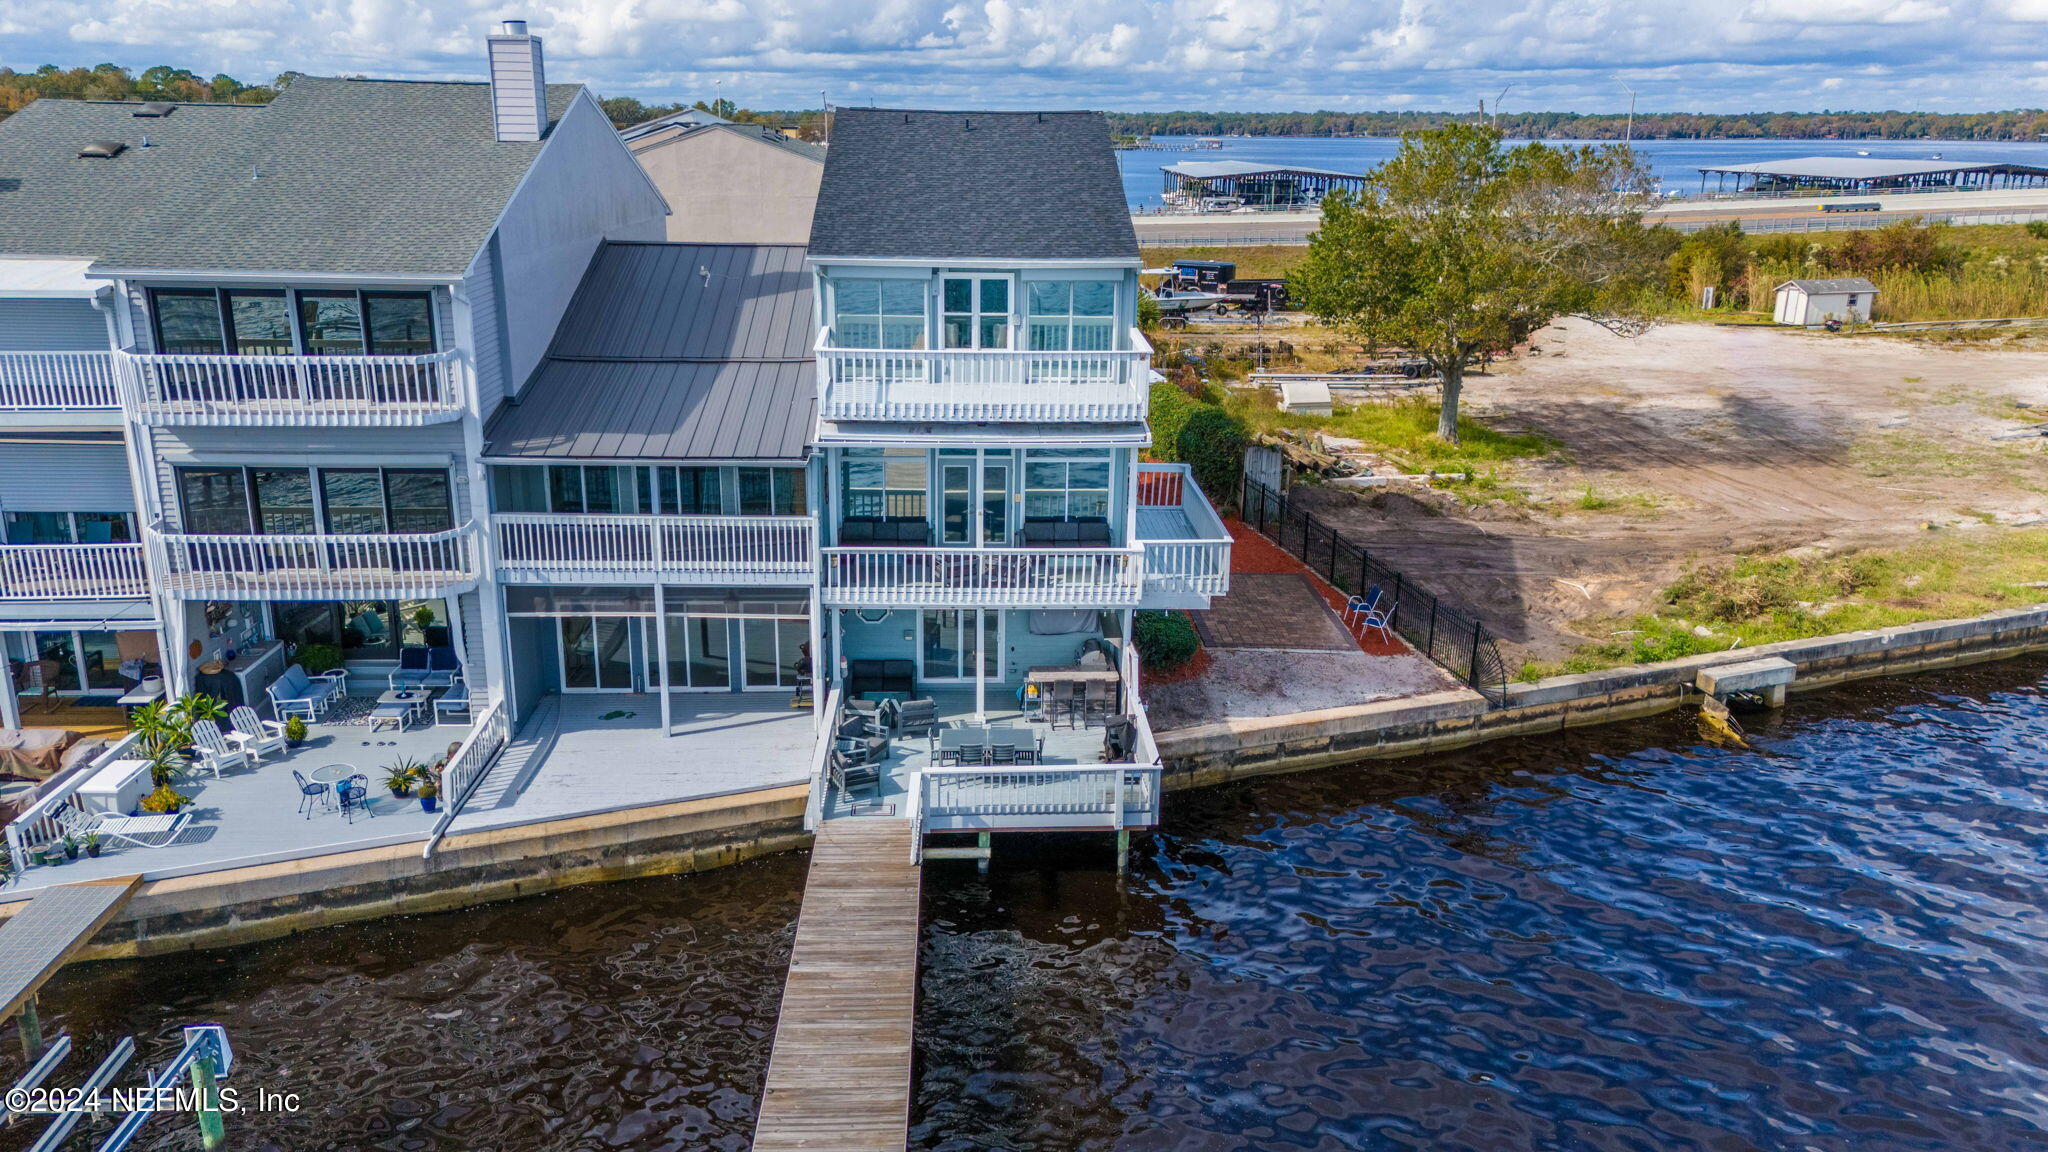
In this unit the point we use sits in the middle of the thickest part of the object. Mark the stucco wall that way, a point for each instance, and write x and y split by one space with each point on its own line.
726 189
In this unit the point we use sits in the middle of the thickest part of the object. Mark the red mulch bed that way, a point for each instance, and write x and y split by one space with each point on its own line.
1253 553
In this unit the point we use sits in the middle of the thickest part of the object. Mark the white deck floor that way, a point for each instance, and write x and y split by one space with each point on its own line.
568 760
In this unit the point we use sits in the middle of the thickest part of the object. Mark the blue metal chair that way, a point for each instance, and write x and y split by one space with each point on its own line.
355 797
1359 607
311 794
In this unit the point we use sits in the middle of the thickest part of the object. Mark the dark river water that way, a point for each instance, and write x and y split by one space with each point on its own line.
1615 939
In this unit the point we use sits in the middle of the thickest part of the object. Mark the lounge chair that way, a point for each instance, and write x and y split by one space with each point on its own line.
155 831
455 699
255 735
294 693
215 752
847 775
413 667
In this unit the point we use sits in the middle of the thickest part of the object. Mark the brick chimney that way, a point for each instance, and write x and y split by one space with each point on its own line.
519 91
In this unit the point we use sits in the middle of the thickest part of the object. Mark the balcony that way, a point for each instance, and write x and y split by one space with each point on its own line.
315 567
987 578
1187 548
984 385
292 391
57 381
546 549
72 572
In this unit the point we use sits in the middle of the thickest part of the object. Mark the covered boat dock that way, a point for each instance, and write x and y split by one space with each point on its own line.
1866 174
1258 184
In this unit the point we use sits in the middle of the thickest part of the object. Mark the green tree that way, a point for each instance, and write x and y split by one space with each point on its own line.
1458 246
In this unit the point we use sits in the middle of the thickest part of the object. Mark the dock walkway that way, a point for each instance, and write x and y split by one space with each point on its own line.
36 941
839 1077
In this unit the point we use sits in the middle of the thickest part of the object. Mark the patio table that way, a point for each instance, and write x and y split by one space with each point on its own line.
399 706
331 773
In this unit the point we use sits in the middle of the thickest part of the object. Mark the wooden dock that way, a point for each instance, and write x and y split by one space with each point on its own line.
37 941
839 1077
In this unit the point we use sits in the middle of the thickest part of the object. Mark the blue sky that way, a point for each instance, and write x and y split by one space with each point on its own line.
1724 55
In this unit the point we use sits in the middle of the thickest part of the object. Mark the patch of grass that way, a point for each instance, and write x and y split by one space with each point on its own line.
1755 600
1254 261
1404 429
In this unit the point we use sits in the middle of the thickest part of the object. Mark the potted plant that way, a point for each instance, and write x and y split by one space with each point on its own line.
423 619
400 776
165 765
430 795
39 855
199 706
164 800
160 726
318 658
70 847
295 730
92 845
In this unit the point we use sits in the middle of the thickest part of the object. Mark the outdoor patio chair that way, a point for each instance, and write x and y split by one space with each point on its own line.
454 700
312 794
1097 698
847 776
215 752
444 668
1002 745
1380 621
412 670
154 831
354 794
294 693
1061 703
917 718
255 735
1358 607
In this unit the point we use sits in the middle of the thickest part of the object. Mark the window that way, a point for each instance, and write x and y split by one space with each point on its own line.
688 492
977 311
259 321
1072 315
878 313
284 501
1067 485
354 498
281 501
419 500
215 500
594 488
364 629
70 527
884 483
771 491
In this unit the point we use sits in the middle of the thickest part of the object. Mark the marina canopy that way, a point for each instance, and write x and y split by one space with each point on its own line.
1873 173
1254 183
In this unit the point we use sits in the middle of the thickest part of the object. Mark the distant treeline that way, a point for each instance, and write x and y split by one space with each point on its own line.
113 82
2019 124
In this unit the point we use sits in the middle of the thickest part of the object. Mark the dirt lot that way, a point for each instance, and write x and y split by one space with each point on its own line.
1695 441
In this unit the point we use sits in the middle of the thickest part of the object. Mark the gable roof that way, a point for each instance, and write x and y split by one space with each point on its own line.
674 352
971 185
352 177
665 134
1825 286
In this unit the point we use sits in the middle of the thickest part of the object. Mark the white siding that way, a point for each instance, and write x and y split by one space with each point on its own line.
487 347
51 326
64 478
583 189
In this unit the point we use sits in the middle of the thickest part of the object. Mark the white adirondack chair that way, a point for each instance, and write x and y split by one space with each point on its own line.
255 735
214 750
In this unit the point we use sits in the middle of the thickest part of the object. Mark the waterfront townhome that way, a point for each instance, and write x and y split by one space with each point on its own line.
988 523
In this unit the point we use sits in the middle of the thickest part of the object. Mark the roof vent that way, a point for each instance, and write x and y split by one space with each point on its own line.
156 108
519 92
102 150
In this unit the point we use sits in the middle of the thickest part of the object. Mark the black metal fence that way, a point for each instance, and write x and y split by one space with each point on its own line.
1451 638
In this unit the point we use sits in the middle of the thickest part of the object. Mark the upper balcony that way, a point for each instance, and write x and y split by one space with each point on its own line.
983 385
315 566
548 548
57 382
994 577
72 572
292 391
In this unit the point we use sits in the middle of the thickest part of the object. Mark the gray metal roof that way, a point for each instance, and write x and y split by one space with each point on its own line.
674 352
353 177
971 185
1826 286
1869 168
1211 169
640 141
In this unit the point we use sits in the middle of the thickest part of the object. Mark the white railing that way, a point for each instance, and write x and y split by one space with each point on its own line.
726 549
814 806
1092 796
33 381
1196 564
983 384
72 572
466 769
292 391
1008 578
314 567
43 821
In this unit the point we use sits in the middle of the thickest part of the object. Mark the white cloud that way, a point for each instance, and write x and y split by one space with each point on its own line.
1559 54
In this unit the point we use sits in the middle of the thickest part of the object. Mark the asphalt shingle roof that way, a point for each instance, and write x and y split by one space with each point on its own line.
971 185
333 176
674 352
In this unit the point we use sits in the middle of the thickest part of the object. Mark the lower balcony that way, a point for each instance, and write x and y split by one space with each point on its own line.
1187 547
316 567
992 578
72 572
57 381
293 391
538 548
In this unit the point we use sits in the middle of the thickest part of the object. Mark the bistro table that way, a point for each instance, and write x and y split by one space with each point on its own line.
331 773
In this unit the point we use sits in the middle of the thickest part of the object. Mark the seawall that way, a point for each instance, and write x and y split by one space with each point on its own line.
1410 726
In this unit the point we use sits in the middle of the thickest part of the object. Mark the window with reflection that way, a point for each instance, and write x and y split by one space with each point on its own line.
331 323
878 313
284 322
1070 484
1071 315
771 491
282 501
259 323
187 320
884 483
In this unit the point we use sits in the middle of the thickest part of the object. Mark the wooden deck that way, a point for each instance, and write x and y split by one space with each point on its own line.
36 941
839 1077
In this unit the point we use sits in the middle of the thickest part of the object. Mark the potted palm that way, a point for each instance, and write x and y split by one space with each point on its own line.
92 845
165 765
401 775
160 726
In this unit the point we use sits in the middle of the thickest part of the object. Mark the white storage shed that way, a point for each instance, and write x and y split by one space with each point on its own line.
1811 303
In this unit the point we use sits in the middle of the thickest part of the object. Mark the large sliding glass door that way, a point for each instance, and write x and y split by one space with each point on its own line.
597 653
772 647
951 641
699 654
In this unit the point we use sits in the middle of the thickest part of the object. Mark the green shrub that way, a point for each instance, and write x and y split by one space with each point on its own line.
2038 229
1212 444
318 658
1165 640
1170 410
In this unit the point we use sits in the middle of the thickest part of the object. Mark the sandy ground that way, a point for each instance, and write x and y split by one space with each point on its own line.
1247 682
1711 441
